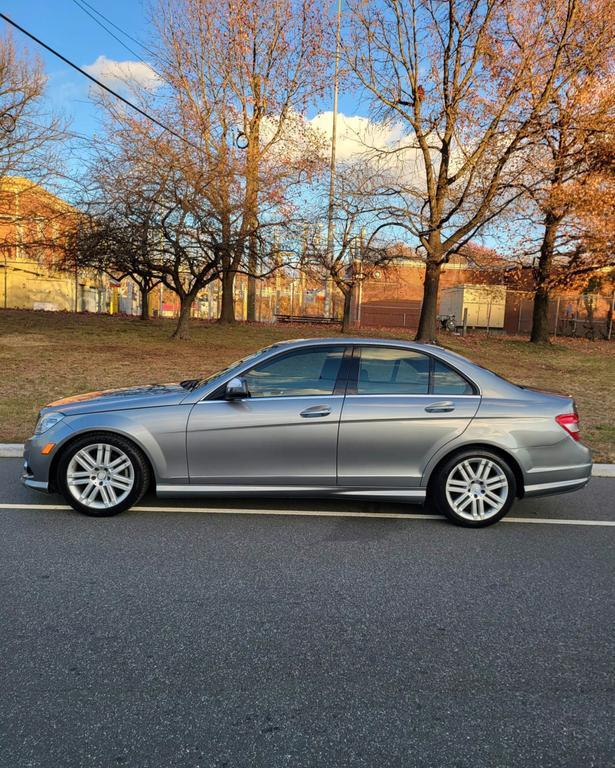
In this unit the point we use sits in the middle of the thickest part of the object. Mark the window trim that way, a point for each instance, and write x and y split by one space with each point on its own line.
353 378
338 389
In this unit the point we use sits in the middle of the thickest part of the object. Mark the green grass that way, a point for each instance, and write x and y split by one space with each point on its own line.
48 355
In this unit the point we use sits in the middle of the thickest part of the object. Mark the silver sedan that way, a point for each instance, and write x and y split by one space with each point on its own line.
340 417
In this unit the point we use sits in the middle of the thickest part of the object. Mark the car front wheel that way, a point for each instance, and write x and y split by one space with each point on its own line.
101 475
474 488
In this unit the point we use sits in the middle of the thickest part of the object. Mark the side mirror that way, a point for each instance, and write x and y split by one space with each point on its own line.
236 389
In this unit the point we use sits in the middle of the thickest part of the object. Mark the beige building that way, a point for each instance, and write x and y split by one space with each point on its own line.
34 226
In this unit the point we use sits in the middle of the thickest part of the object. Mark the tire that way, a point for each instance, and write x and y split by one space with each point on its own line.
473 488
102 474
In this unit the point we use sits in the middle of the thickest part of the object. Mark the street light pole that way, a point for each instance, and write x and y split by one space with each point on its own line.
331 211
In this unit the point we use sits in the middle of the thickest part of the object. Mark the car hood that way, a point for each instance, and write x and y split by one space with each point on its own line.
146 396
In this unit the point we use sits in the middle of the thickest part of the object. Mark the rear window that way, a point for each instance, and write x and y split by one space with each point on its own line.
446 381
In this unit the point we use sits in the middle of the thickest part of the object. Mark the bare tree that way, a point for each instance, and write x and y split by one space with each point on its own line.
121 243
464 83
238 79
356 254
29 142
148 219
27 131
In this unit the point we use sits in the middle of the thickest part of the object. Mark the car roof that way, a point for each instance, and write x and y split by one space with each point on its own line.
341 340
486 381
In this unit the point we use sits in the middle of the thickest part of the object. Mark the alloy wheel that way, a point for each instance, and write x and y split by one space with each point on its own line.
100 476
476 489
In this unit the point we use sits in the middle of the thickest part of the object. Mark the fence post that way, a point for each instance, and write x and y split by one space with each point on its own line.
519 318
465 321
610 333
556 316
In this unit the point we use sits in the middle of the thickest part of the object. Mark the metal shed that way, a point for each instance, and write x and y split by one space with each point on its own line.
485 305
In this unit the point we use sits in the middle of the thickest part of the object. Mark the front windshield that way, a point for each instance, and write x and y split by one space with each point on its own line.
194 383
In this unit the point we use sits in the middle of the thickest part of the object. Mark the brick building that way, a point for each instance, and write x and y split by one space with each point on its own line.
34 226
392 296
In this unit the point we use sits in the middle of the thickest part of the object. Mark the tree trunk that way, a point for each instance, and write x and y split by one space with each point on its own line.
346 318
144 290
183 327
227 308
426 331
540 315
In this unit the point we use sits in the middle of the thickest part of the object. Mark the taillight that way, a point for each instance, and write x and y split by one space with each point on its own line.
570 422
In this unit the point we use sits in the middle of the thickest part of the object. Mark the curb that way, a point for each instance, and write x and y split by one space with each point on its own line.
11 450
15 451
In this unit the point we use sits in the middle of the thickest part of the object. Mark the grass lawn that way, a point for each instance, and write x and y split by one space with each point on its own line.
48 355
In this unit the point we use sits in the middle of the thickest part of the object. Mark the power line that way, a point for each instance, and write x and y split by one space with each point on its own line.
115 26
82 3
108 31
96 81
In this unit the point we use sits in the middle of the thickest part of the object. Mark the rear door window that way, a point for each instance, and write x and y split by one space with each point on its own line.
387 371
393 371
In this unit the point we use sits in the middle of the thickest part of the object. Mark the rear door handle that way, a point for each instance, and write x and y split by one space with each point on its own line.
315 410
445 407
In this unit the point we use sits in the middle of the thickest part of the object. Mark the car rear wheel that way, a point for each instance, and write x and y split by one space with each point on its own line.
474 489
101 475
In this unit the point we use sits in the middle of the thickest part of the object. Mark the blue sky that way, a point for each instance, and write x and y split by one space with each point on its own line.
64 26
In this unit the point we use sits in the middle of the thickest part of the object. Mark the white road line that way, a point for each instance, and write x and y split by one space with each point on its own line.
557 521
322 513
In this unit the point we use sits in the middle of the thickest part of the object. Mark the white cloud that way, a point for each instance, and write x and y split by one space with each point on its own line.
357 134
116 74
359 137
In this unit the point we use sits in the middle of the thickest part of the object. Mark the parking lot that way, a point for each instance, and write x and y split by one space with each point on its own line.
305 633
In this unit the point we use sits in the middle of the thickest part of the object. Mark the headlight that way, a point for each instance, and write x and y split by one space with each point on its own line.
47 421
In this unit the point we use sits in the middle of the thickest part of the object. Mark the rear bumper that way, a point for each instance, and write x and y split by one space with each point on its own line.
564 467
559 486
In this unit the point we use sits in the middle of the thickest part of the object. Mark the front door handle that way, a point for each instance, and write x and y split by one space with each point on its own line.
315 410
445 407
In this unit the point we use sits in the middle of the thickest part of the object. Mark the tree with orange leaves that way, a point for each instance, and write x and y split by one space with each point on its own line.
572 181
240 76
591 215
464 83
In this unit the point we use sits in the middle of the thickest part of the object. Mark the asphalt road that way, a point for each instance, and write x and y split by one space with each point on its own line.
163 639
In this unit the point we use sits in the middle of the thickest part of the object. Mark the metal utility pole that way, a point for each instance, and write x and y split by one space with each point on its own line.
331 211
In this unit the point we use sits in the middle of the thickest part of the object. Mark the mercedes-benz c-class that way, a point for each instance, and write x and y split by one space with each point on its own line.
341 417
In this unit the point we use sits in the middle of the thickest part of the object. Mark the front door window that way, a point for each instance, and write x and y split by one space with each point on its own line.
296 374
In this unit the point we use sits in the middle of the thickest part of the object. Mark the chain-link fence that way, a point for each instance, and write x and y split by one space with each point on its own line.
590 315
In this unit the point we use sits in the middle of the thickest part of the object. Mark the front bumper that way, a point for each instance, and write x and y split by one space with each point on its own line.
37 485
36 466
